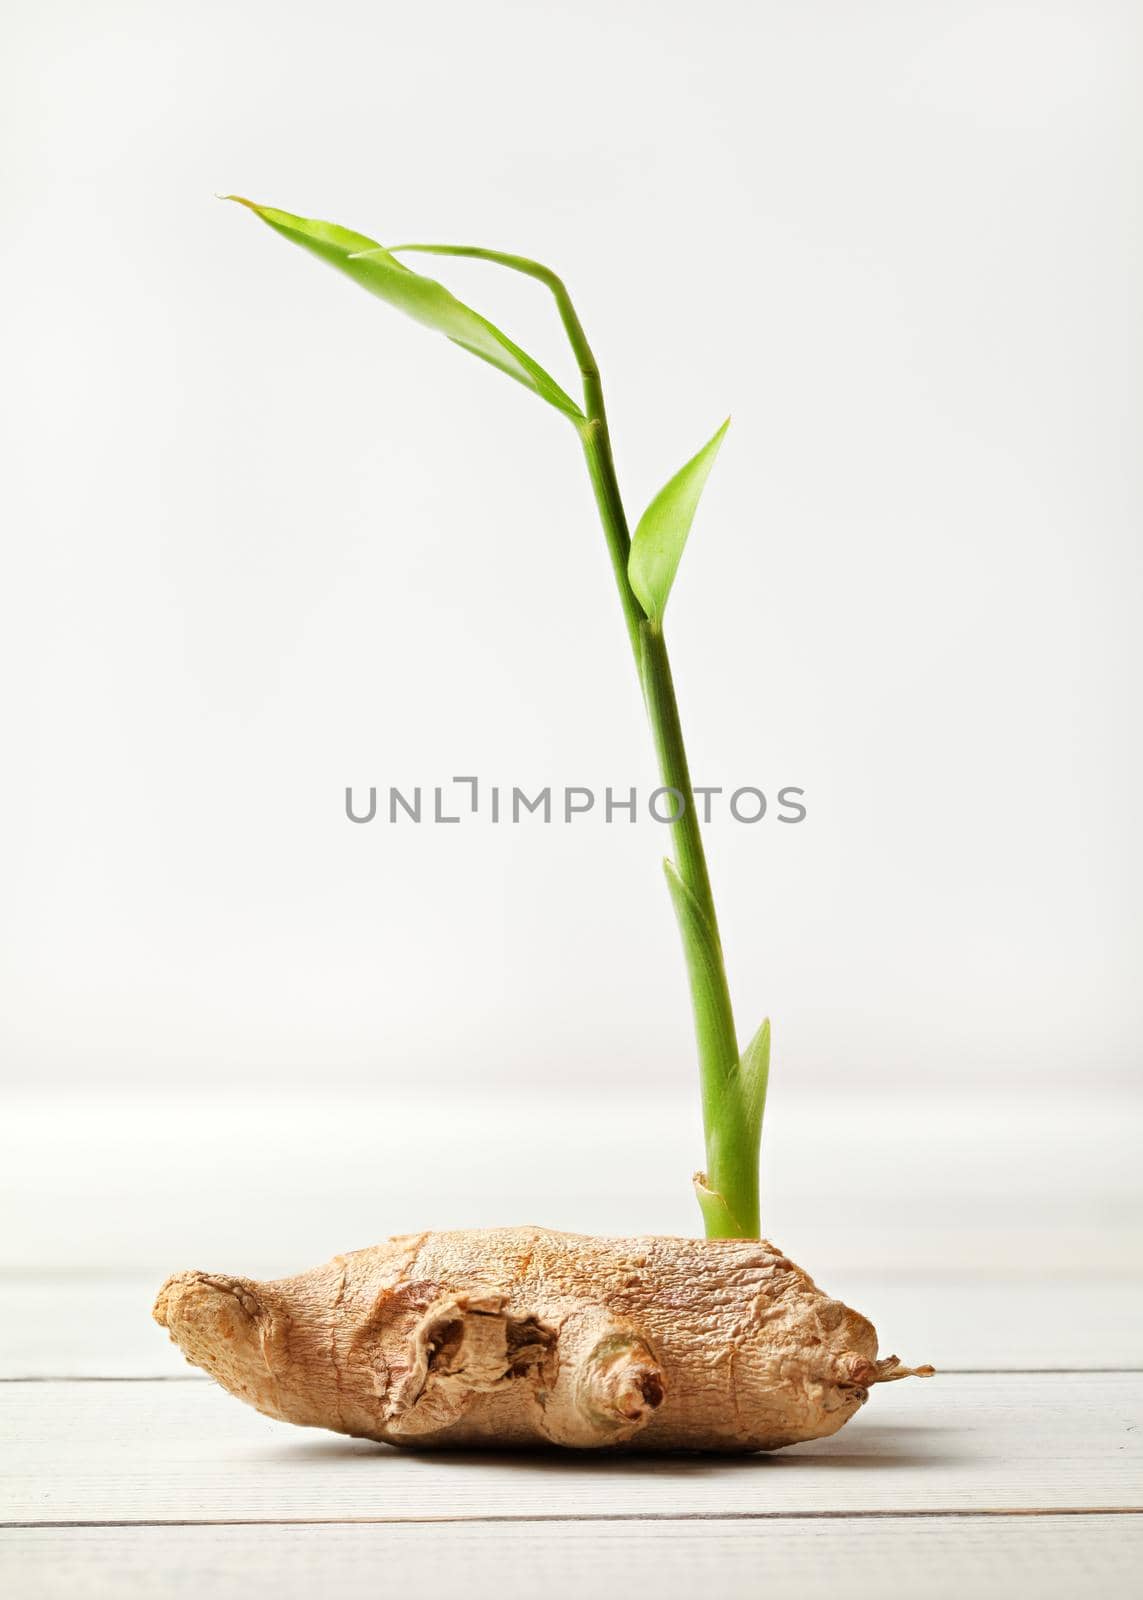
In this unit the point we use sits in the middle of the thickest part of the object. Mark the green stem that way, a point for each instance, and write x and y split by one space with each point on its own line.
601 470
729 1192
731 1097
663 711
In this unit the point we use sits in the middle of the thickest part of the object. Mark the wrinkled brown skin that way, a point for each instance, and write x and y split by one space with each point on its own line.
522 1336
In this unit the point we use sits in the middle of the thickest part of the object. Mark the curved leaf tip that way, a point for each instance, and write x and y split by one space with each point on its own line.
424 299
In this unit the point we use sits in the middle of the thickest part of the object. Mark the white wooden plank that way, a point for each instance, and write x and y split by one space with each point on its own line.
169 1451
990 1558
82 1328
998 1324
1002 1185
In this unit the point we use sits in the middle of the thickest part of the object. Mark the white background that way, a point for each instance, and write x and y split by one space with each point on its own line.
265 539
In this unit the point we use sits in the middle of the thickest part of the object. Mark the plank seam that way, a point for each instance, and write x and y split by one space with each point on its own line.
949 1512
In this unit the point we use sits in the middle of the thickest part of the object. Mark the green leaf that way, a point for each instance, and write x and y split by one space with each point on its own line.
423 299
659 540
754 1077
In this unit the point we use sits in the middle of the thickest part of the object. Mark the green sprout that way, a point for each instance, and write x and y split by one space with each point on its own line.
645 564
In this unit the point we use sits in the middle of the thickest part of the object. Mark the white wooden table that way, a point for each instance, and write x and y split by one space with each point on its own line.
1016 1471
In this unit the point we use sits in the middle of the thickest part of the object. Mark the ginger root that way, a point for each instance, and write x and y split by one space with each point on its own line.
522 1336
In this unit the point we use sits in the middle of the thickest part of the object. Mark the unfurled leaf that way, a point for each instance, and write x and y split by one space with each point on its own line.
658 542
424 299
